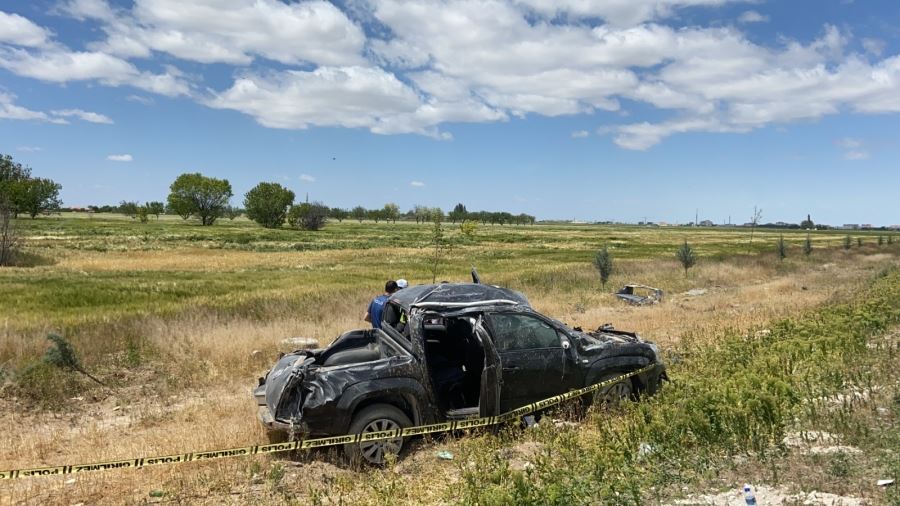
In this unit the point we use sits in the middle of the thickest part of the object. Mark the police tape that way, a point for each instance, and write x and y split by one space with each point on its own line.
307 444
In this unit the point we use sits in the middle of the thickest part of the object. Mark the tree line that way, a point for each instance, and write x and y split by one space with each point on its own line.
272 205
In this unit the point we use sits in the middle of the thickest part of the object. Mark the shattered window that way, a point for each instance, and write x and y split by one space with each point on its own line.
522 332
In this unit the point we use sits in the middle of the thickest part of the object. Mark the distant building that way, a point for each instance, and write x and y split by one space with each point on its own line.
867 226
707 223
850 226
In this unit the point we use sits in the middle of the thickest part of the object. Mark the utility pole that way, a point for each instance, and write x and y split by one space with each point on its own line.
696 217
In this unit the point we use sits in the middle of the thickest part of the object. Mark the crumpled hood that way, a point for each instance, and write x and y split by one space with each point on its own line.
282 379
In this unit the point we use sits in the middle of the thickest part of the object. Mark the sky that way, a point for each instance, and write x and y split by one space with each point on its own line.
622 110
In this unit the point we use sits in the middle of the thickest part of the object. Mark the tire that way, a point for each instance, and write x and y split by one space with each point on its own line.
611 396
376 418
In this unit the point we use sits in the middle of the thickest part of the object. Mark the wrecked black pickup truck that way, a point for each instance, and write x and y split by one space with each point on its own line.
445 352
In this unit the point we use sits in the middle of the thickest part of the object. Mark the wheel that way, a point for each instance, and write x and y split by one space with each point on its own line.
376 418
612 395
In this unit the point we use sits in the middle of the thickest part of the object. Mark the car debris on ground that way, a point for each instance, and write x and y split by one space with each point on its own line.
640 295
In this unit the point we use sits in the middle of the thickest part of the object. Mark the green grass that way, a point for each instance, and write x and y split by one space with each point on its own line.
738 397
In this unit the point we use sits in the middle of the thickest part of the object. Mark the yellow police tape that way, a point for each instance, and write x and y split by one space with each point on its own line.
319 442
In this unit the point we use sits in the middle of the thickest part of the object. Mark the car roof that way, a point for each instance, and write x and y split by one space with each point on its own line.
454 295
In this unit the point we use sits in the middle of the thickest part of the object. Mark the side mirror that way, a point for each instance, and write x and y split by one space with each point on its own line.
565 344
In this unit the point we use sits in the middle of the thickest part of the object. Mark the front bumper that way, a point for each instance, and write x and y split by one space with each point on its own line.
271 424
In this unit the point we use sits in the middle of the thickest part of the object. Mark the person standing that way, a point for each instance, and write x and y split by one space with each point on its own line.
376 307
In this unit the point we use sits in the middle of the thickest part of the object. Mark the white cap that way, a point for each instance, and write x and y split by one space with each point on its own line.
402 283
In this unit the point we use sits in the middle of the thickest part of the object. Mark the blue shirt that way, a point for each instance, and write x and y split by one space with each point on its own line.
376 308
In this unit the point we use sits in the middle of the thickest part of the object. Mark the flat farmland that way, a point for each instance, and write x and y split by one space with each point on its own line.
179 320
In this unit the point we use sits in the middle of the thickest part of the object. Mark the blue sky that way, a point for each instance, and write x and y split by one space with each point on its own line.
612 110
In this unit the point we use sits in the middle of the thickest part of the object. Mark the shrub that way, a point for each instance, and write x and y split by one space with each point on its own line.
880 240
859 242
847 242
604 264
267 204
807 246
468 228
308 216
781 248
685 255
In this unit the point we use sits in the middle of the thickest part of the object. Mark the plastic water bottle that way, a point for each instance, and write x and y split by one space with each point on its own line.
748 495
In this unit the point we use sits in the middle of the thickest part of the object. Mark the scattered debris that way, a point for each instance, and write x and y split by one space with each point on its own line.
70 481
772 496
301 343
885 483
645 450
157 493
255 354
696 292
640 295
445 455
763 333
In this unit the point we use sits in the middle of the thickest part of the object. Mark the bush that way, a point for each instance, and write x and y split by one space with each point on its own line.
685 255
468 228
781 248
807 246
846 242
267 204
604 264
308 216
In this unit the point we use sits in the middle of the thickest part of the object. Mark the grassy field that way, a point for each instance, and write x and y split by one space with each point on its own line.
178 320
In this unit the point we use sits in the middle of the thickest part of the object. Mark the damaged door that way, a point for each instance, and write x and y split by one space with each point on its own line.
532 358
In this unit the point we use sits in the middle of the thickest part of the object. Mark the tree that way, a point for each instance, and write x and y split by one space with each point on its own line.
267 204
9 238
846 242
38 195
200 196
685 255
143 214
458 213
468 228
375 215
13 175
435 214
604 264
754 221
308 216
420 213
807 224
807 245
439 245
338 213
781 248
233 212
359 213
156 208
129 209
391 212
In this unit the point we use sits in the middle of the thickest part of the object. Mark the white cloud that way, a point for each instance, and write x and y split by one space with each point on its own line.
752 17
849 143
307 178
61 65
120 158
617 12
139 99
856 155
230 31
416 184
88 116
20 31
88 9
873 46
580 134
353 97
9 110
